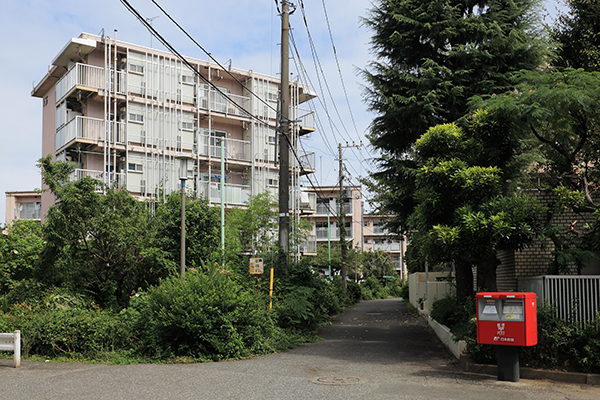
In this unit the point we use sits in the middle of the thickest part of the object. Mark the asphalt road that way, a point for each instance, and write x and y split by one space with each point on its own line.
376 350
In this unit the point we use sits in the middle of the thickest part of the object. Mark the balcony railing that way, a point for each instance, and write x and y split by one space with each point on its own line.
233 104
114 180
309 246
387 247
234 194
84 75
335 233
332 208
307 201
234 149
307 160
306 119
88 129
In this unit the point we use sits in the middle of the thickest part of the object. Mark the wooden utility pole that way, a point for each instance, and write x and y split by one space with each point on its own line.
284 140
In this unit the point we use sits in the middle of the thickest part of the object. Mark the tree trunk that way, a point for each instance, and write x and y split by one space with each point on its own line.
464 281
486 272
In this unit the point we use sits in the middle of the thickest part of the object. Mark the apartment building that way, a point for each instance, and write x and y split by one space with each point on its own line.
364 231
23 205
140 118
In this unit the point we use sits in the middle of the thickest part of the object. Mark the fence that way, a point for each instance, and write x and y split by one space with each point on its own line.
576 298
12 342
426 288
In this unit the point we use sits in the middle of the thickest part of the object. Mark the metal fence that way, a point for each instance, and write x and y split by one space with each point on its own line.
576 298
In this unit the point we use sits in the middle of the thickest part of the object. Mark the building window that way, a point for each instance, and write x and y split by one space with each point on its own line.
187 79
187 126
133 167
136 69
133 117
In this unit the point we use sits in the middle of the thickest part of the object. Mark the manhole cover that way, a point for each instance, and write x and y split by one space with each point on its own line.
337 380
373 313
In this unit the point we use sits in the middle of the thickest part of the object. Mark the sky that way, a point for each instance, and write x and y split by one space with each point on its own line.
247 32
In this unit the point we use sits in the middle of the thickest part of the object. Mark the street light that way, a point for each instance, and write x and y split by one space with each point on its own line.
183 159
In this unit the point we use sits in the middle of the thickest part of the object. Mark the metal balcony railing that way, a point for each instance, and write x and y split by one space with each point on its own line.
233 195
233 104
309 246
88 129
234 149
114 180
83 75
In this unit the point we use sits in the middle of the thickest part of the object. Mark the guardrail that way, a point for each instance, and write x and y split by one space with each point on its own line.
12 342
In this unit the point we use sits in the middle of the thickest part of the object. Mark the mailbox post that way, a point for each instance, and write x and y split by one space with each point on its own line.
509 321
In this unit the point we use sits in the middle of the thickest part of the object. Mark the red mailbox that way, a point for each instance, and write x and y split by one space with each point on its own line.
508 319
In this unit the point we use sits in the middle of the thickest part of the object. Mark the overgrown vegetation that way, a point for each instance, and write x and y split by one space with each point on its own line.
99 281
561 344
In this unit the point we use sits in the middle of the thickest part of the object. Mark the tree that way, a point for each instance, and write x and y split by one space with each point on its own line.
97 244
202 233
21 245
578 35
464 213
432 56
556 114
252 229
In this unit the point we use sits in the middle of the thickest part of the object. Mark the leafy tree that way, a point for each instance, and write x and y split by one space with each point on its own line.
463 212
557 115
202 235
97 244
578 35
251 229
432 56
373 264
20 247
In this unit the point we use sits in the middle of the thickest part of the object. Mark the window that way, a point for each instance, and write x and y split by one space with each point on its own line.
187 126
273 182
134 167
136 68
187 79
271 139
133 117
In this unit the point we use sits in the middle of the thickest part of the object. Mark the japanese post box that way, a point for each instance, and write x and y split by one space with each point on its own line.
508 319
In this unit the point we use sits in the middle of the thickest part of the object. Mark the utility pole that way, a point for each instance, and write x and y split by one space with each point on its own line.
342 212
284 140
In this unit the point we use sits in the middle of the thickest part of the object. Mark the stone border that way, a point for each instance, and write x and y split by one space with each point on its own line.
458 349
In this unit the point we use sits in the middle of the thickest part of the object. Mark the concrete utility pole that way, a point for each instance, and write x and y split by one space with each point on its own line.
342 211
284 140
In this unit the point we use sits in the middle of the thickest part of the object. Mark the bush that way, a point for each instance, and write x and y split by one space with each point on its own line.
66 332
371 289
206 317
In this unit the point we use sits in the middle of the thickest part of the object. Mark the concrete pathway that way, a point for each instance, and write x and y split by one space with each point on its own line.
376 350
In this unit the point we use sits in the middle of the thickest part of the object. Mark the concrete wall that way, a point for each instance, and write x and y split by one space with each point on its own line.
437 288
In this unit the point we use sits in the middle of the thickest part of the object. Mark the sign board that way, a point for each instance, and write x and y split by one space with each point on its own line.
256 266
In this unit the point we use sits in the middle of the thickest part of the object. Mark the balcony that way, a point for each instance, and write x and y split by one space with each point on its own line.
309 247
236 195
321 233
307 162
87 130
306 121
233 104
115 180
86 77
234 149
307 202
387 247
332 208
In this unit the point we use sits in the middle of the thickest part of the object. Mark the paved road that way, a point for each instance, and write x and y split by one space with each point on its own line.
375 350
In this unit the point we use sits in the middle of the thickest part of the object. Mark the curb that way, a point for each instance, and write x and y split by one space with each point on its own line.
443 333
536 374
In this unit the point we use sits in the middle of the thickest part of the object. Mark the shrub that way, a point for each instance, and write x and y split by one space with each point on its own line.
207 316
371 289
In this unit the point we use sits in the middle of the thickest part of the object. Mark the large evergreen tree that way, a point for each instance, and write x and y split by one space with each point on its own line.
577 33
431 57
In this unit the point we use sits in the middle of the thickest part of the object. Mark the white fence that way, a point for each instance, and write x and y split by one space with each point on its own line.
576 298
12 342
425 289
80 75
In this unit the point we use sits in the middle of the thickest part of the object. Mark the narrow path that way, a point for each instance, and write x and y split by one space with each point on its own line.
375 350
